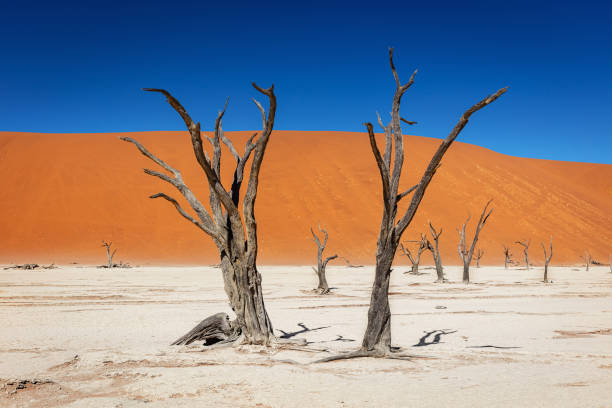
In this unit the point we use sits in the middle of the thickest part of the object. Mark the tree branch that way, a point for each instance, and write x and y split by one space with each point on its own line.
383 170
437 158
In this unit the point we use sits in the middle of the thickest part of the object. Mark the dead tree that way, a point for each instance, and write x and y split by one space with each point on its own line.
466 253
233 231
610 262
435 252
547 257
415 260
479 253
377 337
525 245
323 287
587 259
507 257
109 254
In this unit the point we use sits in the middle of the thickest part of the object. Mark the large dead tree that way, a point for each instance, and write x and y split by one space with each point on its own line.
377 337
525 245
435 252
507 257
466 253
547 258
234 232
323 287
415 260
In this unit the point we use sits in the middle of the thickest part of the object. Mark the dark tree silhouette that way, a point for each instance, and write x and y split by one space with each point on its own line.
435 252
466 253
479 253
415 260
507 257
323 287
547 257
587 259
377 337
234 234
525 245
109 254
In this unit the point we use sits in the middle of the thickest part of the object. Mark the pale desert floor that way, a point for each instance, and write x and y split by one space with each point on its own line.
87 337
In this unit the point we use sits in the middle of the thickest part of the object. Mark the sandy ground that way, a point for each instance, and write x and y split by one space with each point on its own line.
86 337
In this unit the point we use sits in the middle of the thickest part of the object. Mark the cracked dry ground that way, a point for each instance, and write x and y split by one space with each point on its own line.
81 337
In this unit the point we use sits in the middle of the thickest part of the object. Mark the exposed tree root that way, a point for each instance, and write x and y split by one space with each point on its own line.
214 329
393 355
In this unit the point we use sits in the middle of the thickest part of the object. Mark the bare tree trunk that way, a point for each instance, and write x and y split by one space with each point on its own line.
109 255
323 287
465 253
377 337
525 245
479 254
507 257
435 252
547 258
610 262
415 260
234 234
587 259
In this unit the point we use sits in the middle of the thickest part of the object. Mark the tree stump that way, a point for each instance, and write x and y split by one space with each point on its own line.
213 329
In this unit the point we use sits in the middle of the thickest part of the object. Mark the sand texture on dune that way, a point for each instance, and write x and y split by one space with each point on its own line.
64 193
87 337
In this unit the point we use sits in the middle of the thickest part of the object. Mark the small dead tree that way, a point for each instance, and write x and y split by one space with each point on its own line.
109 254
507 257
525 245
466 253
610 262
479 253
323 287
587 259
415 260
233 231
435 252
377 337
547 257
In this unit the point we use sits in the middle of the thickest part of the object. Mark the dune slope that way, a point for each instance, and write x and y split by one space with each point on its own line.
64 193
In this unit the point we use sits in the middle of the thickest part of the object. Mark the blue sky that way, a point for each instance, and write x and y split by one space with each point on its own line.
75 67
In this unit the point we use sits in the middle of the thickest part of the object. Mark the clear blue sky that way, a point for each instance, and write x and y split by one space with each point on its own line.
79 67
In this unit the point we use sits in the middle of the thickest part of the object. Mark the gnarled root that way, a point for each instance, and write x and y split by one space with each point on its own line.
214 329
394 355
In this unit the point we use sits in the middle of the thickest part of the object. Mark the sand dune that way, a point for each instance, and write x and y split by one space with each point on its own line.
64 193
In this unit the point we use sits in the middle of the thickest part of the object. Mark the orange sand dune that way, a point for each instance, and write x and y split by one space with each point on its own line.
64 193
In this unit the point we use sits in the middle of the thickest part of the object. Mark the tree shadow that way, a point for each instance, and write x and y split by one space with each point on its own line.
437 334
288 335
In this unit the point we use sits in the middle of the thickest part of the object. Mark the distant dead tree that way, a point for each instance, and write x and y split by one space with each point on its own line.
525 245
415 260
109 254
479 253
587 259
547 257
507 257
466 253
234 232
323 287
435 252
610 262
377 337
